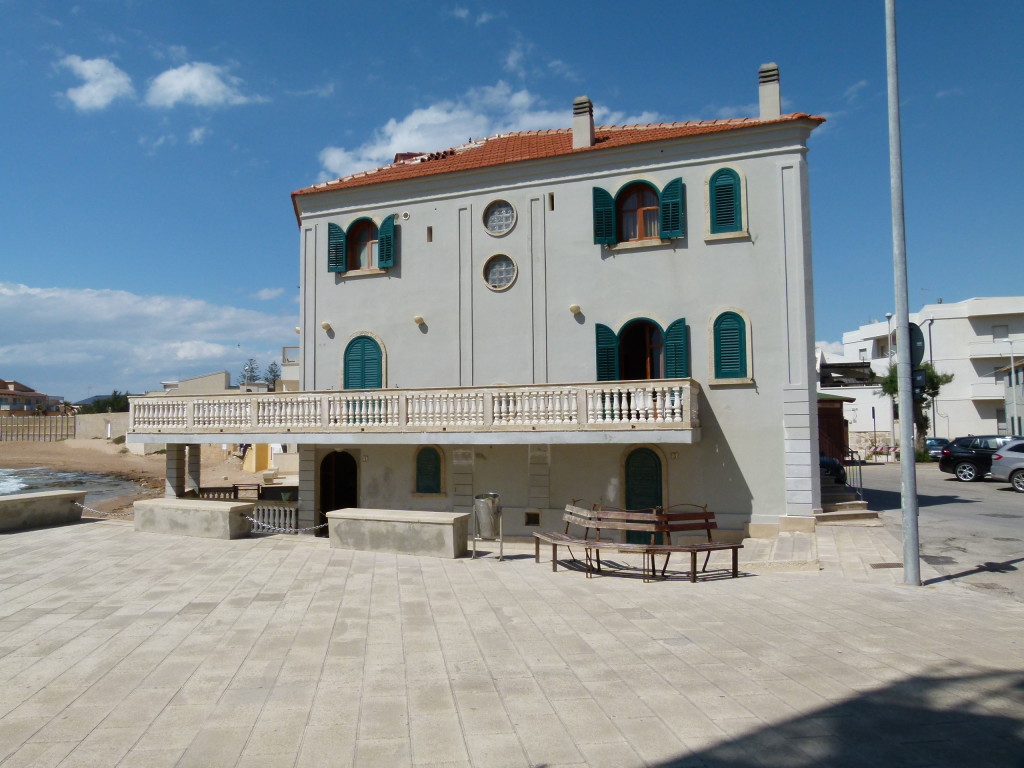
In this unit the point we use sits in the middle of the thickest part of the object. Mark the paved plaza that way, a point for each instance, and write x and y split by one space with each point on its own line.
120 648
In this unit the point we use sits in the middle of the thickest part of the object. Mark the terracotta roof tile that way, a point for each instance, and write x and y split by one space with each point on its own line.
532 145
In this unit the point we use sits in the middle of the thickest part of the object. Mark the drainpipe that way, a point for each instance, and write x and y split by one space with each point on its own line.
931 362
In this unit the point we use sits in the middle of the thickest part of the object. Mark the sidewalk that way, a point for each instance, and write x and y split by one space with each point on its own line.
127 649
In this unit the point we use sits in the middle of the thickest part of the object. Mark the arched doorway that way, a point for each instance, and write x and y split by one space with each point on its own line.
641 351
339 485
643 486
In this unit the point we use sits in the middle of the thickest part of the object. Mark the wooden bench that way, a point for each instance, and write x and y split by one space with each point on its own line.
656 525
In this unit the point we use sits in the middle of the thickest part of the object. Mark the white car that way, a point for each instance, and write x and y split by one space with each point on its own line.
1008 464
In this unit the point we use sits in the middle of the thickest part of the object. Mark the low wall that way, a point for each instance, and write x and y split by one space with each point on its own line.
101 425
34 510
194 517
399 531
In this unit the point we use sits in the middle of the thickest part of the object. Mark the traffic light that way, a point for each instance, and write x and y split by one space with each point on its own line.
918 380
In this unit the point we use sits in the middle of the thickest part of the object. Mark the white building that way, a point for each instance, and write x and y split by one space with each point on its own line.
971 339
621 314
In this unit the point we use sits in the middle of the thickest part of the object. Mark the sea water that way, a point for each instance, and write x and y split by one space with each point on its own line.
97 487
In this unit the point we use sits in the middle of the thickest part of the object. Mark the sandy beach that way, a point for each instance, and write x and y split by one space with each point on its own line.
105 457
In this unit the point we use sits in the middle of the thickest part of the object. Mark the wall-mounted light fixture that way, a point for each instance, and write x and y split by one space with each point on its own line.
418 319
575 309
297 329
326 326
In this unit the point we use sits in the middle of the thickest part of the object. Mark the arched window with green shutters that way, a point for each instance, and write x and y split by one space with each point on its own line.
726 202
428 470
730 338
669 359
371 247
627 217
363 364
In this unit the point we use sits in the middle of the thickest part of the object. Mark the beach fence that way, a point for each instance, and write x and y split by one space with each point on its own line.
37 428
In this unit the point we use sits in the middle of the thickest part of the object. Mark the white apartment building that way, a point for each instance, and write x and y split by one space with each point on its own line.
972 339
621 314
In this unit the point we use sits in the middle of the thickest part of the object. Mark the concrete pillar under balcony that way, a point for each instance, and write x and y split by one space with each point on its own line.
193 463
174 476
307 486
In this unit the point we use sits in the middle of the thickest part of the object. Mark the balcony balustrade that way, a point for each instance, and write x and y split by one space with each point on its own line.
663 404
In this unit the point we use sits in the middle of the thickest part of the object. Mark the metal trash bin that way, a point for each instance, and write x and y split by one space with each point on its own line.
487 508
487 521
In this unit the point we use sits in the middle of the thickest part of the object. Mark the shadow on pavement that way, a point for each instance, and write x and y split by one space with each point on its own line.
881 500
942 719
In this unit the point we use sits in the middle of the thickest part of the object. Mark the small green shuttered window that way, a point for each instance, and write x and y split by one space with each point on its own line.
386 243
607 353
677 351
726 205
362 360
335 248
604 217
730 332
673 209
428 471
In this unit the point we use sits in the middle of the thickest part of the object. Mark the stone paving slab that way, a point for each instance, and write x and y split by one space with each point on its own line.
120 648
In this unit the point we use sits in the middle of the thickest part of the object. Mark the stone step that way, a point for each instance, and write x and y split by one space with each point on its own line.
836 493
844 506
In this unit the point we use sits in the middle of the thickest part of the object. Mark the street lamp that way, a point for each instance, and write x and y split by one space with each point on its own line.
892 400
1015 427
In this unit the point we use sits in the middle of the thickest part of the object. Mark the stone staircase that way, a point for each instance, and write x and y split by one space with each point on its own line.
839 504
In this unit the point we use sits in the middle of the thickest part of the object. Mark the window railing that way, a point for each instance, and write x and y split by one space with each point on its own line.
657 404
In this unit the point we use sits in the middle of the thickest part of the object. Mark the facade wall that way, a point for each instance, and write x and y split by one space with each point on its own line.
758 438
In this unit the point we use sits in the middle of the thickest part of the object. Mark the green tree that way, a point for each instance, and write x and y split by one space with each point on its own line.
250 372
934 382
272 374
116 403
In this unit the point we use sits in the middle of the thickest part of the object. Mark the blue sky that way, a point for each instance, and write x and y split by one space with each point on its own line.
149 148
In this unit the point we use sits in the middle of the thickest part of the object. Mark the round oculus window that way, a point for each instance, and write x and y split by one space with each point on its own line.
499 217
499 272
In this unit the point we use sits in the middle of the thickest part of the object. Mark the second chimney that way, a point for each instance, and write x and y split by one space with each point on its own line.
768 91
582 122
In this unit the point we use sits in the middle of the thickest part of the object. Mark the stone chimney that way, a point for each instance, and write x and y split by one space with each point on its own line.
582 122
768 91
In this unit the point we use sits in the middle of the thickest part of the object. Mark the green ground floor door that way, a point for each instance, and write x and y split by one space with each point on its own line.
643 486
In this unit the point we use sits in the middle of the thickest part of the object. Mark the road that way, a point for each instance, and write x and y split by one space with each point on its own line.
970 532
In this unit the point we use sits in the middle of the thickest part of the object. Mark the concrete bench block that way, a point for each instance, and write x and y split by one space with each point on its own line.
194 517
34 510
399 531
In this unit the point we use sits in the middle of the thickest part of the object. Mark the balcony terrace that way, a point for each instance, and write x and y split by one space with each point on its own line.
601 412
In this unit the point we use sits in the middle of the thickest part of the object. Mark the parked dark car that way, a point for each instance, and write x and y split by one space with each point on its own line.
970 458
1008 465
934 446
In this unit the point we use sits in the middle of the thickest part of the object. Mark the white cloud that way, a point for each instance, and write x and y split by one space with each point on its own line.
198 135
483 18
266 294
852 93
197 83
460 13
949 92
74 342
104 82
515 59
478 113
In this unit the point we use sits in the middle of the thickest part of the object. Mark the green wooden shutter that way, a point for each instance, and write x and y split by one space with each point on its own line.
386 243
604 217
335 248
730 347
607 353
673 209
428 471
363 369
726 211
677 351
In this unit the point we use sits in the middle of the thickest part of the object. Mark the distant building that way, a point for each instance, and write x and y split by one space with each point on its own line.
971 339
18 398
